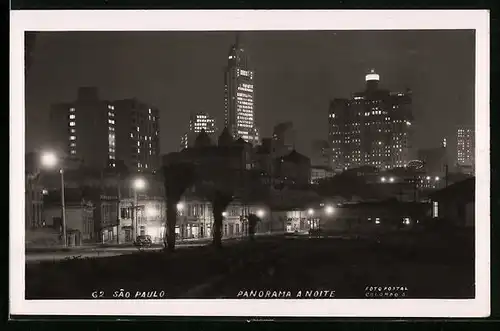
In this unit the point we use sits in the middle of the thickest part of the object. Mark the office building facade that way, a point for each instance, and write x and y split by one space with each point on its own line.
239 96
137 135
197 122
373 127
98 132
466 148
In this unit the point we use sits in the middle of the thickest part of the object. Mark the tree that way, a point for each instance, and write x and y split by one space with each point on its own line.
252 225
220 195
177 178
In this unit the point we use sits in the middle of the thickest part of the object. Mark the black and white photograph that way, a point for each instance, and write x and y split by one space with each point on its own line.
229 163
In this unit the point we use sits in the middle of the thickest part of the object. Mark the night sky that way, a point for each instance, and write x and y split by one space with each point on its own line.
297 73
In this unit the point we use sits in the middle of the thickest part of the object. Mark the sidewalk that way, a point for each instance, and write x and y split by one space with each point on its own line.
96 246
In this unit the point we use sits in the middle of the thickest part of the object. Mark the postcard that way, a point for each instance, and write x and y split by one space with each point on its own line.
250 163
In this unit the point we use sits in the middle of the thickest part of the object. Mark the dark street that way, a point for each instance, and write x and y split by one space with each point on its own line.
423 267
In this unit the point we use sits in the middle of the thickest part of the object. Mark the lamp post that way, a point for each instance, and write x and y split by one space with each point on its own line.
260 214
329 211
310 212
49 160
138 184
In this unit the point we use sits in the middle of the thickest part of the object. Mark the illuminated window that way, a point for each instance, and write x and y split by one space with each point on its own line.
72 137
435 209
72 123
72 116
72 109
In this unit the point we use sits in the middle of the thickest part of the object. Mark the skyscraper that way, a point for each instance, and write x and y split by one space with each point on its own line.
239 101
79 129
137 135
466 147
372 128
197 122
99 132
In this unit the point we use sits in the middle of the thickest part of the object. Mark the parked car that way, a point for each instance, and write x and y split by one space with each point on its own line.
143 241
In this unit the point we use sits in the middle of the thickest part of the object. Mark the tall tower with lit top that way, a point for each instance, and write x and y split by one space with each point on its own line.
239 98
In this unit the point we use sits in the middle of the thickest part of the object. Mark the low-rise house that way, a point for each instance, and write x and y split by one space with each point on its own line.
455 203
79 215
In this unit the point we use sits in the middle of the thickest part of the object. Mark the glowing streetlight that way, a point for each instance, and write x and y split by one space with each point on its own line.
49 160
310 211
391 179
260 213
329 210
224 213
139 184
437 178
428 178
180 206
383 179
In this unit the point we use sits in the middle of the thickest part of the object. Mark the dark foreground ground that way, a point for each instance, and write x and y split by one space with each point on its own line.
430 266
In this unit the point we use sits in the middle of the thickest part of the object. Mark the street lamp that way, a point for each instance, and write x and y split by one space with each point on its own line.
260 213
180 206
138 184
49 160
310 212
329 211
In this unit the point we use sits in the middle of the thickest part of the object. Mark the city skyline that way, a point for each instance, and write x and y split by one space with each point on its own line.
443 96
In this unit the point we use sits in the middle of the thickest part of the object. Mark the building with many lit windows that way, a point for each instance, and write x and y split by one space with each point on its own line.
239 96
99 132
137 135
197 122
80 129
372 128
466 148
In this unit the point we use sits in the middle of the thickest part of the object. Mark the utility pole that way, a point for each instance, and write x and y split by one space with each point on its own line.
134 222
446 175
63 209
118 212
